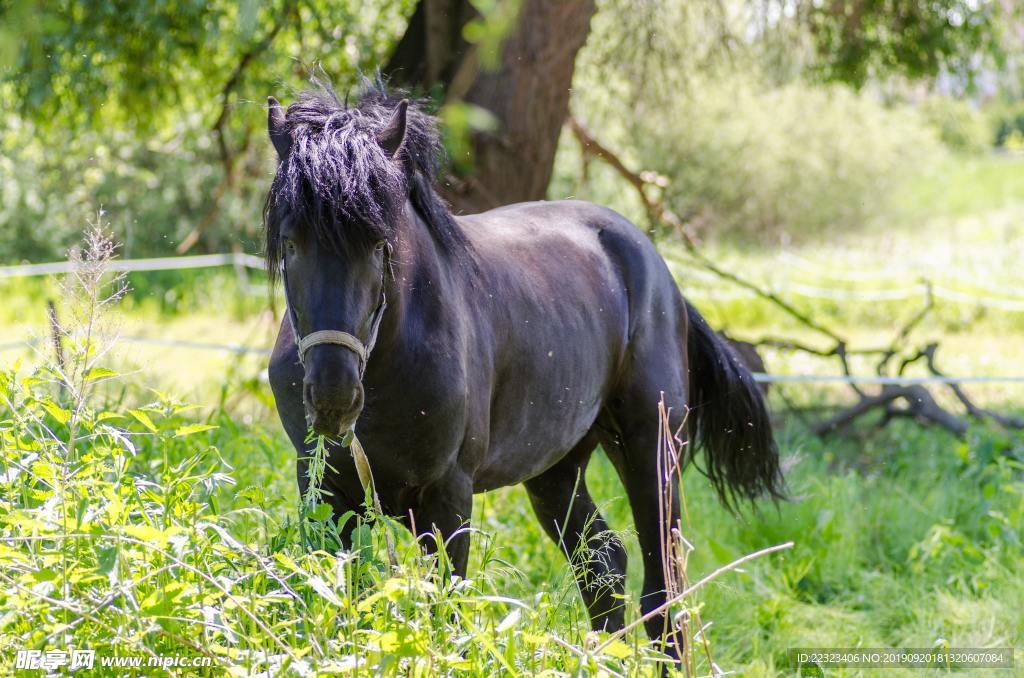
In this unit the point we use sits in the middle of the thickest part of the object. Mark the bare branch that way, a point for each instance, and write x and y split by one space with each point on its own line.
919 401
972 409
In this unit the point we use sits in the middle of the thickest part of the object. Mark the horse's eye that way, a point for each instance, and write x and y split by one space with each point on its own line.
289 246
380 245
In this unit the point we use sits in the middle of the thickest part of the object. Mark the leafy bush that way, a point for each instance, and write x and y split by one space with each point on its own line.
173 183
960 127
104 104
793 161
746 145
1007 123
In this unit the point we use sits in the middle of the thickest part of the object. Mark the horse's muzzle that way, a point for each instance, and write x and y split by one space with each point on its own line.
330 422
331 390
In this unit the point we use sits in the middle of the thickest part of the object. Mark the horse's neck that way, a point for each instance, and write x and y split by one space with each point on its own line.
418 245
422 278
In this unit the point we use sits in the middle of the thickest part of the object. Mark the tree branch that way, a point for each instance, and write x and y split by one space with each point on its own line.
227 157
973 410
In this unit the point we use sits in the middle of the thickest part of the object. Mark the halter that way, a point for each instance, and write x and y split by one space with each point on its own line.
339 337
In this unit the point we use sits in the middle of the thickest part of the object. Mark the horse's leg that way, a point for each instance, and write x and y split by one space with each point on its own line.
568 515
629 432
285 376
442 514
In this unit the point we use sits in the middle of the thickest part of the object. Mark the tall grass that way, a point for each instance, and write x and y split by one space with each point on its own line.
132 523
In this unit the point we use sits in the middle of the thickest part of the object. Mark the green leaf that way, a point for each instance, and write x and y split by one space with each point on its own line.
100 373
188 430
510 620
45 574
253 494
618 649
115 509
148 533
164 600
9 555
107 559
321 587
55 411
404 642
83 506
321 513
143 419
163 397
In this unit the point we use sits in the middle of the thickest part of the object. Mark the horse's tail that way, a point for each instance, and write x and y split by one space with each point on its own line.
728 419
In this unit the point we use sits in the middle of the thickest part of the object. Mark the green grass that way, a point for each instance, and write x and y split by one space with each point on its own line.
894 547
966 186
908 538
155 534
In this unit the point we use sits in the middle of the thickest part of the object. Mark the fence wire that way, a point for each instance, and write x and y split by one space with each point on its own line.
249 261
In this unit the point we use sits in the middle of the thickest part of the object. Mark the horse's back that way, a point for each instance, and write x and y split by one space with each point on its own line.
571 223
568 218
577 244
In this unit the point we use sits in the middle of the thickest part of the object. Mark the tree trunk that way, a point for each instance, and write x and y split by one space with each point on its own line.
528 93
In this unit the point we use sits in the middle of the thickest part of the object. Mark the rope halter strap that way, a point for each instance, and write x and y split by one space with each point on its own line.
349 341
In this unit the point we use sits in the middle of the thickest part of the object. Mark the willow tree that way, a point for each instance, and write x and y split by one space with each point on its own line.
500 71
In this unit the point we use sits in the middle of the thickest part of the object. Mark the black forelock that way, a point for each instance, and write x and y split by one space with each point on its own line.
337 179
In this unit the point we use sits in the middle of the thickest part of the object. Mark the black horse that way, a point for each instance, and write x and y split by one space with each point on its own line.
476 352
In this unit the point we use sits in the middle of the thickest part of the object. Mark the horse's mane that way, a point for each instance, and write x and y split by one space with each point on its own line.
338 181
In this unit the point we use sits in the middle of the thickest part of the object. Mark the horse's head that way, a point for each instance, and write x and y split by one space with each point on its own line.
330 220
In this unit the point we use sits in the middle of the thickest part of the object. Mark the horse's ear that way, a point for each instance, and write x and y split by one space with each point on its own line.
278 128
391 137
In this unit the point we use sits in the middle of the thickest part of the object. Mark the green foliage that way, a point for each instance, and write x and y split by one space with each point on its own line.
796 161
893 549
161 102
858 39
155 111
960 127
729 111
120 64
143 64
983 194
154 191
1007 122
742 159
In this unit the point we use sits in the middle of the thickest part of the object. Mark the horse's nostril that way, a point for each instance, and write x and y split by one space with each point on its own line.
348 401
